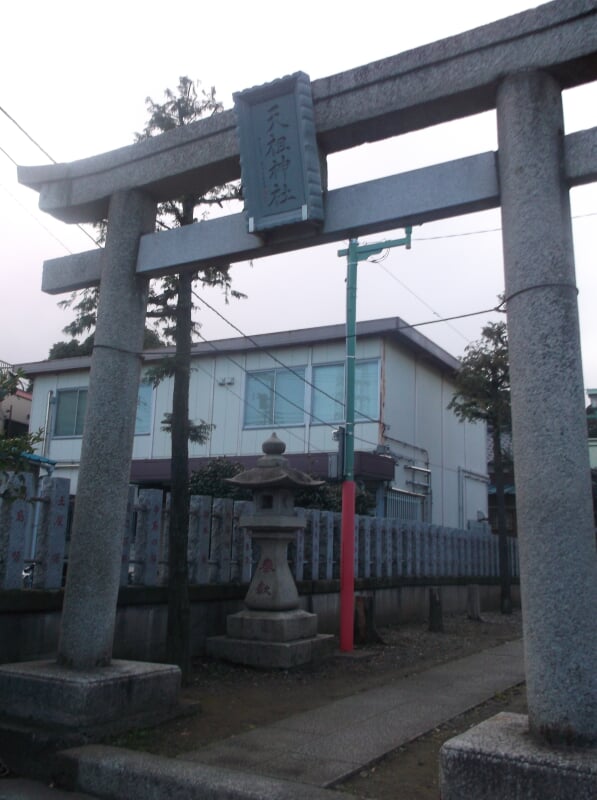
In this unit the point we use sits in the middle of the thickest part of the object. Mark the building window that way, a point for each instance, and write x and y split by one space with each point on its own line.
328 391
143 418
275 397
407 506
71 405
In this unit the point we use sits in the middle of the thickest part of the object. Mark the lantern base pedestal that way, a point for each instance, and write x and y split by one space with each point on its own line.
271 639
272 626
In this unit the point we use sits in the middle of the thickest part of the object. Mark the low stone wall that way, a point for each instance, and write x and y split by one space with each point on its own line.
30 621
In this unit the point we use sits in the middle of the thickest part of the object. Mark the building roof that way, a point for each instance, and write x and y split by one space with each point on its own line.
393 328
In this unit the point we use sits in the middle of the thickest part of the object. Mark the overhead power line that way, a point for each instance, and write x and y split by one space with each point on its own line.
9 157
28 135
365 418
288 431
273 357
35 219
45 152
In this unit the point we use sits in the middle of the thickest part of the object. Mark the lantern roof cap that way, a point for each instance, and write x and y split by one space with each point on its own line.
272 470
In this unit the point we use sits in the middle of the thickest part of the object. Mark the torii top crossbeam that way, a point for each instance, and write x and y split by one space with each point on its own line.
439 82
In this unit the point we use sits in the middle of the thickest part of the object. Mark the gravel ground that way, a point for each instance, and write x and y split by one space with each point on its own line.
233 699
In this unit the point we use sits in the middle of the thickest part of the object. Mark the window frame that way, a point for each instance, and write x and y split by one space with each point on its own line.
146 385
289 371
319 419
85 390
60 393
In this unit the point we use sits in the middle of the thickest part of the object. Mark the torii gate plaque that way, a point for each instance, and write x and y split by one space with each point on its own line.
518 66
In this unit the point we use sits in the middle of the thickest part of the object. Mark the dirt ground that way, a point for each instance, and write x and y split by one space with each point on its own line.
234 699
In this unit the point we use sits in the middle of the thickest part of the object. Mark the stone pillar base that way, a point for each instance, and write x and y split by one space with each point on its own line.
45 693
498 760
45 707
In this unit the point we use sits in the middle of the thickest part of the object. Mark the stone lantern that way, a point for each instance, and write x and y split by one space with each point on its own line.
272 631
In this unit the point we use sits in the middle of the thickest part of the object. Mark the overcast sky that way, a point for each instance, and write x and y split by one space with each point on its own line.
75 76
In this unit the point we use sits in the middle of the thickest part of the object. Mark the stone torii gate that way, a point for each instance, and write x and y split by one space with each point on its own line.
519 66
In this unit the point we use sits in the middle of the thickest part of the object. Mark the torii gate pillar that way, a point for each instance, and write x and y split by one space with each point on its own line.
498 759
89 609
84 689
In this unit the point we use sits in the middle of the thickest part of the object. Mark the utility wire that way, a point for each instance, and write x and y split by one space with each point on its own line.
366 418
20 127
9 157
31 139
35 219
275 358
420 299
306 413
483 230
289 431
268 387
499 308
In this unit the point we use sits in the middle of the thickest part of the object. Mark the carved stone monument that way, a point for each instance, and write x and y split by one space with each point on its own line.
272 632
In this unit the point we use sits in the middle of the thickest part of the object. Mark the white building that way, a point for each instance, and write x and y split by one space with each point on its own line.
422 462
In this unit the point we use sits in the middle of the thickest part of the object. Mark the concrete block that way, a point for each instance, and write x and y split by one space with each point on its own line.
271 655
499 760
272 626
46 693
115 772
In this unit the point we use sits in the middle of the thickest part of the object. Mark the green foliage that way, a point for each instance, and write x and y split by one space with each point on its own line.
329 498
198 432
483 393
71 348
12 448
84 304
483 381
211 480
9 382
187 104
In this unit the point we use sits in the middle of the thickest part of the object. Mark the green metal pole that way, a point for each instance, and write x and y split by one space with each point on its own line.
348 485
354 254
351 338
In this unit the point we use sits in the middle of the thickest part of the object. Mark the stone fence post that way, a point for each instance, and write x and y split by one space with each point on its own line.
16 513
51 537
147 537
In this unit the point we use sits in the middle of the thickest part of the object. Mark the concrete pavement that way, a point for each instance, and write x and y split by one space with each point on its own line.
298 757
322 746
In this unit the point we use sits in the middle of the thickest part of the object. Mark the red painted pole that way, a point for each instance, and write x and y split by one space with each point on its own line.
347 567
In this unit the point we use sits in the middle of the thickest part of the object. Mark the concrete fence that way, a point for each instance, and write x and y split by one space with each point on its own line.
34 547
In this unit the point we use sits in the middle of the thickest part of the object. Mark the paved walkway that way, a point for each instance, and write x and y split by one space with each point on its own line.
322 746
313 749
